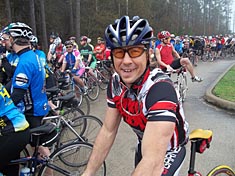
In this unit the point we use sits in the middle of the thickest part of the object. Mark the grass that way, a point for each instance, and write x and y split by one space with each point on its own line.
225 88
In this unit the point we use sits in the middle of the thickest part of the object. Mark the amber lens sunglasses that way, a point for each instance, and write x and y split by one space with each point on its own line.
133 52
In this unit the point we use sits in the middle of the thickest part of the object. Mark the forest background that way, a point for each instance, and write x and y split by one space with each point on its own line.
91 17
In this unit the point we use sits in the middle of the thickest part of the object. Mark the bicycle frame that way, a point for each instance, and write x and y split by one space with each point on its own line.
36 159
58 124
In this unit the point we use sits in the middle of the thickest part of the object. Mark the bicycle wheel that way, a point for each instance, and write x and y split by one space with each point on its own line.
72 112
221 170
183 87
86 126
192 58
69 160
93 88
103 78
82 100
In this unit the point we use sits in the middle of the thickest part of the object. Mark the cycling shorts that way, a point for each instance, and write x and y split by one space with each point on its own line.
173 160
176 64
80 72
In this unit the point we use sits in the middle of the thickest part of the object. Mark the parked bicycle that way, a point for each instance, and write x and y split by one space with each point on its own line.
69 160
71 122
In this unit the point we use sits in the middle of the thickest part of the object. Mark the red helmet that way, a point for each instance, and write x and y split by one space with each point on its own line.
163 34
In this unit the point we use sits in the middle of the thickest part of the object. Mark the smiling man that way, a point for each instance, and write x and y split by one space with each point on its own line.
145 100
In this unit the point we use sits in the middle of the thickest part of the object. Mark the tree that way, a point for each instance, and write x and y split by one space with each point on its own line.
32 16
77 18
8 11
89 17
43 21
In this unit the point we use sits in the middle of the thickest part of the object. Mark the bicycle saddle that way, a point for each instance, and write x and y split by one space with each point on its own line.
66 97
200 133
52 89
46 128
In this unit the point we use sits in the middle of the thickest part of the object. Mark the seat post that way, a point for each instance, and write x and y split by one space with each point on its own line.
191 170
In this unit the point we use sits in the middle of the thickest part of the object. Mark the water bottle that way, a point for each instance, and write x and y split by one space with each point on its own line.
1 174
25 171
67 78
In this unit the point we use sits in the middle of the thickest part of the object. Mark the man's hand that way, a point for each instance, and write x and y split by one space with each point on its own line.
169 68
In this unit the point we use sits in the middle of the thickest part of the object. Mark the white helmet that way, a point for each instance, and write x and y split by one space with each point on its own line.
18 30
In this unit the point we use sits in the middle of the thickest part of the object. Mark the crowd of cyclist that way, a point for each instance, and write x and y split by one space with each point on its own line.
23 81
203 47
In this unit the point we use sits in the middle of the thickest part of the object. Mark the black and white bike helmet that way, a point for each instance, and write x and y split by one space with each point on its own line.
126 32
18 30
34 39
68 42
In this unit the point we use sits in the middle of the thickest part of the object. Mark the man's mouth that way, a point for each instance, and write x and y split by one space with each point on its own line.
127 70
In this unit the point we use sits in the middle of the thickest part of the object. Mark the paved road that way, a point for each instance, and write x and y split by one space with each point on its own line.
199 114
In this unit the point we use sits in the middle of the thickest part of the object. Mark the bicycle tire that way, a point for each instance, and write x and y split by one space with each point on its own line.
221 170
87 127
192 58
183 87
83 102
103 77
72 159
71 112
93 88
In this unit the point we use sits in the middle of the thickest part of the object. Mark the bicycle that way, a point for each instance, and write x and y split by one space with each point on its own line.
68 83
70 159
208 54
79 127
65 102
200 140
103 75
92 84
181 84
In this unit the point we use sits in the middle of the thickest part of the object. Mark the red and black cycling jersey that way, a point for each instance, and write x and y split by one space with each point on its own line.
152 99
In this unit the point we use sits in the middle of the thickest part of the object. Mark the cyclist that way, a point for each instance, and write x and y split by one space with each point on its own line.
178 45
165 54
73 39
146 100
29 76
73 62
50 79
56 50
8 64
14 133
86 52
99 49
